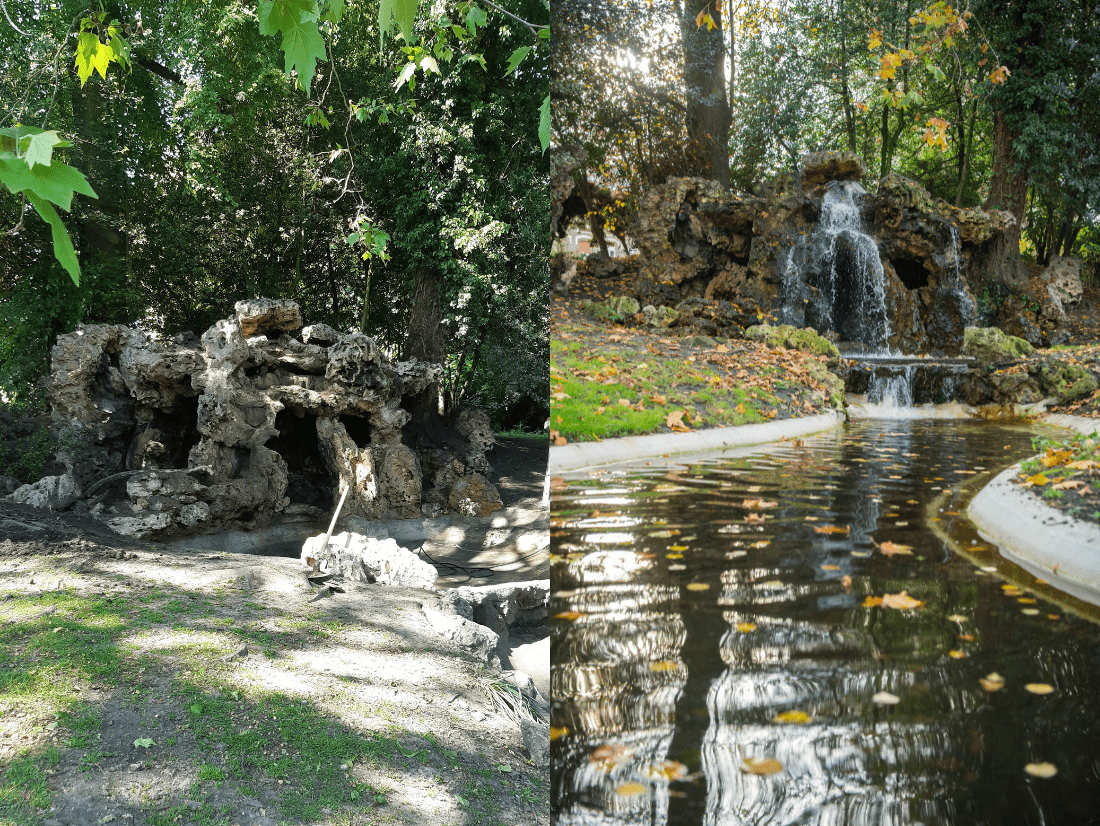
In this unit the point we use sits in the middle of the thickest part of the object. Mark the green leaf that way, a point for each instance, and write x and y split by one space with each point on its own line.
63 249
544 123
404 12
39 148
936 72
303 47
144 742
475 17
354 238
405 76
516 59
281 15
196 709
385 21
334 10
55 183
544 33
504 768
428 64
92 56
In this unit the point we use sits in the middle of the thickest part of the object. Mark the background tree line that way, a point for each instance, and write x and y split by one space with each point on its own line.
217 180
996 103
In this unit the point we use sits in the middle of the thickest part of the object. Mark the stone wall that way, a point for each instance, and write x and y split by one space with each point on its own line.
257 419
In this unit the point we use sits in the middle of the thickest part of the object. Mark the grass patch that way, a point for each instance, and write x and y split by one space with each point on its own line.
23 788
603 393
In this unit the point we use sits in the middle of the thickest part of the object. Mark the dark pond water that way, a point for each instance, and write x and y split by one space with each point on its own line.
685 626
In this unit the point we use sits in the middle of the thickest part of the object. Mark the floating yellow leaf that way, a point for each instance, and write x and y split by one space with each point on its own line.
630 789
1027 600
669 769
745 627
901 601
677 567
663 666
871 602
758 503
992 682
830 567
761 765
568 615
755 518
1043 770
1039 688
557 732
885 698
1030 612
890 549
763 543
966 637
957 655
697 586
677 547
793 717
833 529
610 754
957 618
674 556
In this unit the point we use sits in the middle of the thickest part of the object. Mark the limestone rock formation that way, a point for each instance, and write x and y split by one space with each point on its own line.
366 559
246 424
793 249
990 345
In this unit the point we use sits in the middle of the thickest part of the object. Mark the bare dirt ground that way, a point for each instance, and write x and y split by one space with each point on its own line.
140 686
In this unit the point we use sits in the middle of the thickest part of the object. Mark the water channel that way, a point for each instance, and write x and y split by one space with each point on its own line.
742 607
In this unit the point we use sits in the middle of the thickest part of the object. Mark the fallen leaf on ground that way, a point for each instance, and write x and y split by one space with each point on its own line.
891 549
675 420
762 766
901 601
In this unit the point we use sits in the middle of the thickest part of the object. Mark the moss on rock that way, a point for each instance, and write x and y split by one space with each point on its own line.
794 338
1067 382
988 344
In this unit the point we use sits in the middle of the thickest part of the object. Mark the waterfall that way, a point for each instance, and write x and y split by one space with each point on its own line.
966 303
892 390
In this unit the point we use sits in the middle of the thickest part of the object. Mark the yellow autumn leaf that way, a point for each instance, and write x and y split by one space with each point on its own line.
762 766
1043 770
630 789
992 682
1039 688
745 627
556 732
568 615
1038 479
663 666
871 602
957 655
677 547
891 549
698 586
792 717
901 601
833 529
669 769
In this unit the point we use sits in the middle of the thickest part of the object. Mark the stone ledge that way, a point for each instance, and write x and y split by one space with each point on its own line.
1043 540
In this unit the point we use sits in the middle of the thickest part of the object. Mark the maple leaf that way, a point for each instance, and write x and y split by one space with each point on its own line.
675 421
302 43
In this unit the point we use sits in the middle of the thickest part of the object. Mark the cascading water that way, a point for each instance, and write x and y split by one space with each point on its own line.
848 273
892 389
966 303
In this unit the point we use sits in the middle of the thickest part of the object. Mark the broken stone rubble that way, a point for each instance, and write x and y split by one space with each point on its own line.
248 424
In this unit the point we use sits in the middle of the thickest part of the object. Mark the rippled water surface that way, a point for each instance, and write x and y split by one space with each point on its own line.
695 604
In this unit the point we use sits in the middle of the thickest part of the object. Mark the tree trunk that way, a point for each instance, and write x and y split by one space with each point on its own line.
425 340
595 223
708 110
1008 191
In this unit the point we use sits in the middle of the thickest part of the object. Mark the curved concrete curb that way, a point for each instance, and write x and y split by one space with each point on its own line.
1080 424
1047 542
579 455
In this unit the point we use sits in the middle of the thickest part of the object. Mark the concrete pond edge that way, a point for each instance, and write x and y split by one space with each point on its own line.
582 455
1043 540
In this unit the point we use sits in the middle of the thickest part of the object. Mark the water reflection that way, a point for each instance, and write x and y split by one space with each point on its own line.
744 609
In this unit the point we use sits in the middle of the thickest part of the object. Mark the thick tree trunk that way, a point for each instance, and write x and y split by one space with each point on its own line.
708 110
1007 191
425 340
595 223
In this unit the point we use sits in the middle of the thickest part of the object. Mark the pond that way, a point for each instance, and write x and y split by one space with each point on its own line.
814 634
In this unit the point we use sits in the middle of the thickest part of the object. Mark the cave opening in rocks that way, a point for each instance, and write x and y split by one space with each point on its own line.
358 429
309 480
911 272
166 440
